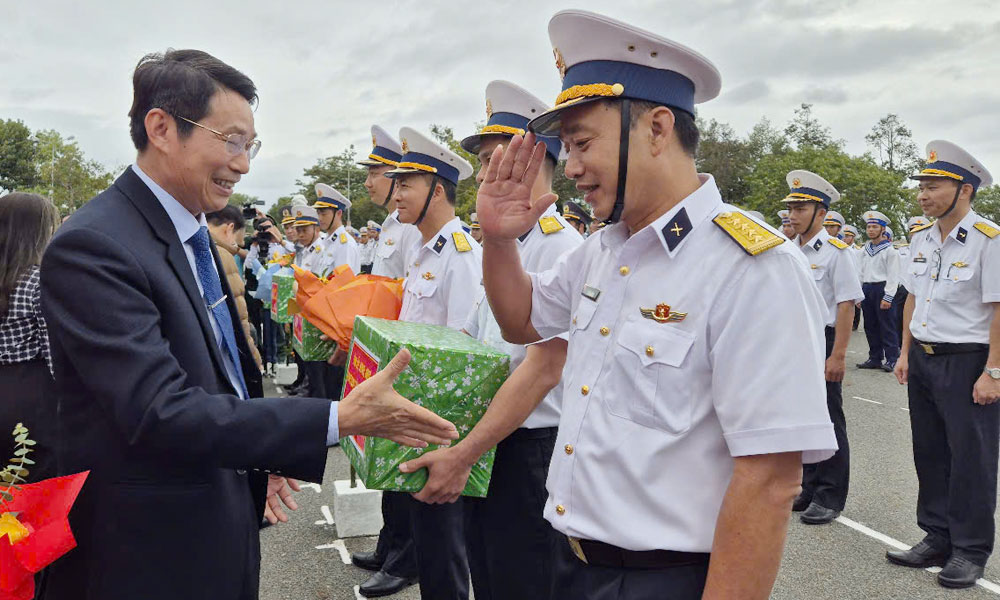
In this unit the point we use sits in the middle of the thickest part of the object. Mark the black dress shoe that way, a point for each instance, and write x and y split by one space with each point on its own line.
960 572
367 561
818 515
383 584
889 367
870 364
921 556
801 502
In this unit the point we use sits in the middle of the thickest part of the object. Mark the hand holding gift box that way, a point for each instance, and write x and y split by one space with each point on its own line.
34 521
450 373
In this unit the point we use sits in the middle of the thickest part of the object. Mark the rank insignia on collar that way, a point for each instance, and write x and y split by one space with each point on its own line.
439 244
663 314
315 248
818 245
962 234
677 229
428 275
591 293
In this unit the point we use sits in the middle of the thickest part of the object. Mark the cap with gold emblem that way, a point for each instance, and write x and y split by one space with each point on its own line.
806 186
946 160
327 197
509 107
385 149
914 222
834 218
305 215
423 155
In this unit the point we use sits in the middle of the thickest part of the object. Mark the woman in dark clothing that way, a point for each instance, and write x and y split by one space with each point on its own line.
27 222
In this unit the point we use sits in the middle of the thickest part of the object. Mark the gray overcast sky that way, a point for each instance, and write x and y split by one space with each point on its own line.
327 70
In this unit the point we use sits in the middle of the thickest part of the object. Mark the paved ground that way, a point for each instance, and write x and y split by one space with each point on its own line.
833 562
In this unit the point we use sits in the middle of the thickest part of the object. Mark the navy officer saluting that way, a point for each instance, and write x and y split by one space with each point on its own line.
825 484
668 395
951 360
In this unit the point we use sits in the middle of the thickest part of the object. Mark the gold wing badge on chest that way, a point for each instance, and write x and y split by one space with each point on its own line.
663 314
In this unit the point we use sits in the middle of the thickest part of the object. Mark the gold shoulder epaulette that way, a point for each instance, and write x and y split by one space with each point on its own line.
839 244
461 243
987 229
343 238
753 237
549 225
920 227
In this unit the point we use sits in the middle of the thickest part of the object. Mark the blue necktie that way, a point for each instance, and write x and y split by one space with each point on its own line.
204 263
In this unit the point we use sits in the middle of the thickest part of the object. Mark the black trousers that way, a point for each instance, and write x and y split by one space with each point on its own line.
897 311
510 544
827 482
879 327
395 541
439 545
857 317
956 443
576 580
325 380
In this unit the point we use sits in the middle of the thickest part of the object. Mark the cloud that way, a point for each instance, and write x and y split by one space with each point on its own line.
747 92
828 95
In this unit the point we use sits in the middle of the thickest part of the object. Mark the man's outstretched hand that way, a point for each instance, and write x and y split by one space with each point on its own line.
504 205
374 408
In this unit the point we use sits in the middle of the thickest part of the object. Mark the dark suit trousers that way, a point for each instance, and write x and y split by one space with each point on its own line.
827 482
510 543
576 580
879 327
395 541
439 544
325 380
956 443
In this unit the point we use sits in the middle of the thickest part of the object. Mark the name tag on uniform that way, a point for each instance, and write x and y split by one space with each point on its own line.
591 293
920 259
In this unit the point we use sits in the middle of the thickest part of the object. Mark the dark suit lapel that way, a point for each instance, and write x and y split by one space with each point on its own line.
145 201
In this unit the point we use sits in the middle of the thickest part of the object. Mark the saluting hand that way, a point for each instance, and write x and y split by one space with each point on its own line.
504 204
374 408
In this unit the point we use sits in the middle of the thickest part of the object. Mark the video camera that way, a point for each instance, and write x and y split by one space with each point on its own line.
249 210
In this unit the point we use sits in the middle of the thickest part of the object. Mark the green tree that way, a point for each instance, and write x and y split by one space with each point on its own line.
238 199
806 131
18 151
65 174
347 177
893 144
728 158
987 202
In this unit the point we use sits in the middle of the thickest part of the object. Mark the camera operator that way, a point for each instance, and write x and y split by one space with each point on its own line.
267 242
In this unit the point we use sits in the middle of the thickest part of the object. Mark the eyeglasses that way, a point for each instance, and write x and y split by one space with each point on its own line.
936 264
236 143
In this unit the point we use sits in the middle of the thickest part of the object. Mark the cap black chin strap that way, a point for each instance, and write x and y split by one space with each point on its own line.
616 212
392 187
954 202
813 219
427 202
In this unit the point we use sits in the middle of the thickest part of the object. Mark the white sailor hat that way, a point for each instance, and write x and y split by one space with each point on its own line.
423 155
947 161
299 200
352 231
385 149
834 218
474 221
327 197
374 225
915 222
874 217
599 57
783 215
305 215
509 108
363 230
851 229
888 232
807 186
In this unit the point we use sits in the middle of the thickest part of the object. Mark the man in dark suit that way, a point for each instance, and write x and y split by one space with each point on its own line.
159 398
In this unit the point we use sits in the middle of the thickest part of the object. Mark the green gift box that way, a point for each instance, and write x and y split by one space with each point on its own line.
282 290
306 341
450 373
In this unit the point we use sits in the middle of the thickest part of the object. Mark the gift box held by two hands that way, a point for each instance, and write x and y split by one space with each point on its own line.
450 373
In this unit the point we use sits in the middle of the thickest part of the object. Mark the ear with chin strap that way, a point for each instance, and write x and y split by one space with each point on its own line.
427 202
626 113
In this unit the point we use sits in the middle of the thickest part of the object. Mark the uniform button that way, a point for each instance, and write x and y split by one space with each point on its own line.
560 509
923 324
605 331
623 271
569 448
956 279
241 471
649 350
574 320
585 390
928 299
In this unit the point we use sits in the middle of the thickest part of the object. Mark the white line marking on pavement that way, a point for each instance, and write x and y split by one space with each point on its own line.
314 486
866 400
906 409
357 593
326 514
983 583
339 546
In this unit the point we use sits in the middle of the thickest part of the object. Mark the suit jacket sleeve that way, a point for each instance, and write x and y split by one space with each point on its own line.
97 299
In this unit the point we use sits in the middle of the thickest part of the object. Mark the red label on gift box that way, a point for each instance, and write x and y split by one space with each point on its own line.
274 298
361 365
297 328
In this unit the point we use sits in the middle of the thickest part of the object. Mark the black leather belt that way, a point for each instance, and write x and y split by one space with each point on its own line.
599 554
935 348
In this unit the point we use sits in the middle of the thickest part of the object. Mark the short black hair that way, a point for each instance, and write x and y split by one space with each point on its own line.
182 83
228 214
450 189
684 124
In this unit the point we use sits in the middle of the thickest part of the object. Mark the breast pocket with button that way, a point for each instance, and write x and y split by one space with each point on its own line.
385 250
957 282
584 314
818 272
650 356
422 288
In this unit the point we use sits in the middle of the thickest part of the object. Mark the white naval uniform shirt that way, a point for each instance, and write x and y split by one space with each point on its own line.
340 248
312 257
880 263
953 283
274 251
394 242
653 413
441 284
367 252
833 271
904 254
538 252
